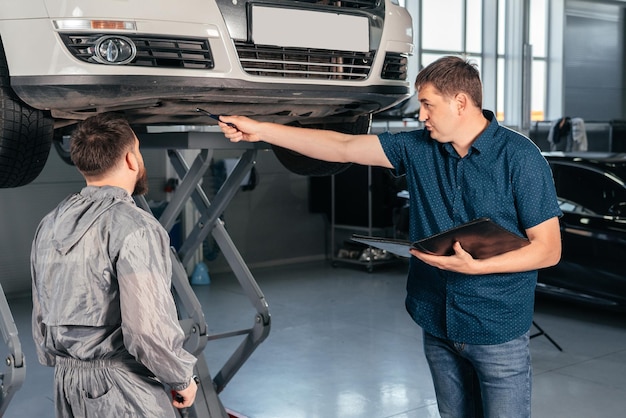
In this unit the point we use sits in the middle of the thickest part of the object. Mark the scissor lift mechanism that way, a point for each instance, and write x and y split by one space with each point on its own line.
208 404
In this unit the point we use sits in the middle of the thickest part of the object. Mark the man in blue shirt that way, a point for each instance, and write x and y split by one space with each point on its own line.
475 314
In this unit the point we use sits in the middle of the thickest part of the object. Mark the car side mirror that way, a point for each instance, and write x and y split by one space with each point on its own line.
618 209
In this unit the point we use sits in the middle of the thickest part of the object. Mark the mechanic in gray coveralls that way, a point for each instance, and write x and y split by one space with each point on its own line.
103 311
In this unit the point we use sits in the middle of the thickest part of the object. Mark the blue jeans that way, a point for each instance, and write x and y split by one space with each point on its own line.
472 381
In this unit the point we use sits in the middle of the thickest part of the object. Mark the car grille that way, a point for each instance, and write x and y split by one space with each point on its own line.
272 61
193 53
395 67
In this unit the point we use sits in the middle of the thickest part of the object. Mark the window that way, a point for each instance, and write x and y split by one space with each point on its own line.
451 27
538 40
447 38
455 27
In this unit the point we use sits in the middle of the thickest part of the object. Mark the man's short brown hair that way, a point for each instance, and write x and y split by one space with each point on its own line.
452 75
99 142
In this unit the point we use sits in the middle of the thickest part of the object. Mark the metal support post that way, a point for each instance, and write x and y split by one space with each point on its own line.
191 315
545 334
12 377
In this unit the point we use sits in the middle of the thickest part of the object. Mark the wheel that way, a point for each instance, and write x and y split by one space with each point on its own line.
60 140
307 166
25 135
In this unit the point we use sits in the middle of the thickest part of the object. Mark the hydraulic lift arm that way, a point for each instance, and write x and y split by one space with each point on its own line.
190 309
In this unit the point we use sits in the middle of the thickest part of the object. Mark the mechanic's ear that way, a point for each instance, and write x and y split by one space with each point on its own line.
131 161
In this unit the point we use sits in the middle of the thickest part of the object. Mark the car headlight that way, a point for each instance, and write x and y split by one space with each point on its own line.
113 49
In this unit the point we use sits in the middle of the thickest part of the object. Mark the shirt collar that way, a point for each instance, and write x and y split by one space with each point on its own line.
111 192
484 140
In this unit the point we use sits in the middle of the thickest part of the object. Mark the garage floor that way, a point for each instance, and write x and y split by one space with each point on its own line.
342 346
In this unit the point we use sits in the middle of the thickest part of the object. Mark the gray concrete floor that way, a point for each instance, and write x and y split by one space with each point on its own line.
342 346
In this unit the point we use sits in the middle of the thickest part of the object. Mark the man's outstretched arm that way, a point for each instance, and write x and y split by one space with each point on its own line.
321 144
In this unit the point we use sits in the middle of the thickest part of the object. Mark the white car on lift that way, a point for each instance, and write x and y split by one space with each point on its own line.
318 63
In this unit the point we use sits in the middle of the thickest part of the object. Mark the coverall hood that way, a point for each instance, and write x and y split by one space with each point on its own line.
74 216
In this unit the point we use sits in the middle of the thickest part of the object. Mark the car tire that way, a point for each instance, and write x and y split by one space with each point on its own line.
307 166
25 135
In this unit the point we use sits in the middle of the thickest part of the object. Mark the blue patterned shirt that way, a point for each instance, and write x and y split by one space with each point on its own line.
503 177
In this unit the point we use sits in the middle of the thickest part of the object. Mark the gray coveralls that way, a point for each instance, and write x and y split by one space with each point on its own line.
103 311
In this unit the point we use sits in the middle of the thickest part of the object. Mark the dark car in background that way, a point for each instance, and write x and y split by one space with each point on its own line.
591 188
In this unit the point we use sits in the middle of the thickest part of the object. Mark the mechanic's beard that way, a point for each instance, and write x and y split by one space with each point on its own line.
141 185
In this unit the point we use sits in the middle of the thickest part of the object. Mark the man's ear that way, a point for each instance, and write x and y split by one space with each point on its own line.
461 101
131 161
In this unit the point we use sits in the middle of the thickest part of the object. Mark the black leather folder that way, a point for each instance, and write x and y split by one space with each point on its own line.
482 238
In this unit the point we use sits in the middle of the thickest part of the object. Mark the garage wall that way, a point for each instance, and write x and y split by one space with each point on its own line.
22 209
270 225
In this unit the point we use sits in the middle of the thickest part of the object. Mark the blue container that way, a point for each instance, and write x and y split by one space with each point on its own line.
200 275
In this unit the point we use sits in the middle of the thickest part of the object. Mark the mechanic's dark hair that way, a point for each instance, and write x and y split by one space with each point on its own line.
452 75
98 143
